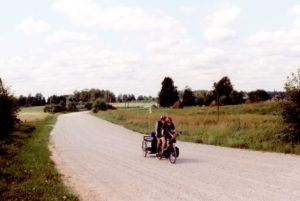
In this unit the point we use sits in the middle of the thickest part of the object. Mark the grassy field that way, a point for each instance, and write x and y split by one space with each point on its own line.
250 126
31 114
133 104
27 173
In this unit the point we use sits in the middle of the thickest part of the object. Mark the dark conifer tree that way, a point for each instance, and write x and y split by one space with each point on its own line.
168 94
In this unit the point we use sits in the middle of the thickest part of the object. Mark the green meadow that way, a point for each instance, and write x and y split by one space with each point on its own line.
249 126
26 170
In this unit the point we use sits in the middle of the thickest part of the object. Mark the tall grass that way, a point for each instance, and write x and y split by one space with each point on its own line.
253 126
27 173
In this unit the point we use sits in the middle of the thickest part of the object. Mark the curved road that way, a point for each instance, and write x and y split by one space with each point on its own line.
103 161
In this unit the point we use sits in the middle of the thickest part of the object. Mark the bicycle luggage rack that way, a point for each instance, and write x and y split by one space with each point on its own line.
148 138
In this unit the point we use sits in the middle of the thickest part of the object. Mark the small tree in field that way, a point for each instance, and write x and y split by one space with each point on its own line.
222 90
258 95
188 98
168 94
291 108
8 112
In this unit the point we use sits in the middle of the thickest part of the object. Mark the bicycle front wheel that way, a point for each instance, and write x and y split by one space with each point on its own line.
173 154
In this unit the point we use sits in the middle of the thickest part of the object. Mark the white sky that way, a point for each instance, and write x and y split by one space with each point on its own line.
129 46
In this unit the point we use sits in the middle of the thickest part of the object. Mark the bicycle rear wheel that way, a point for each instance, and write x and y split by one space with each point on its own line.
144 147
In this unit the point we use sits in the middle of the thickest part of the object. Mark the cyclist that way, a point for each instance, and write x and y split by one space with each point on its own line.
158 130
168 132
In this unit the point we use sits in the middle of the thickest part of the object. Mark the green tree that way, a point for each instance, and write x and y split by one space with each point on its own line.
168 94
291 108
8 112
222 90
204 97
99 104
237 97
258 95
188 97
71 104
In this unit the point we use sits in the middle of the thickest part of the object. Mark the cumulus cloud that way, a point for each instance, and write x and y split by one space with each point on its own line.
31 26
73 68
281 43
63 36
224 17
112 16
219 25
168 44
294 14
272 53
294 11
219 34
140 48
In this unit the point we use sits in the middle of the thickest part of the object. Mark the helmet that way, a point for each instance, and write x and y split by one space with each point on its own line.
163 117
169 120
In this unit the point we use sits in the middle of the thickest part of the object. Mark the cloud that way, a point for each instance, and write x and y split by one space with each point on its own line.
63 36
106 15
217 34
280 43
219 23
224 17
294 11
73 68
272 55
294 14
168 44
30 26
138 48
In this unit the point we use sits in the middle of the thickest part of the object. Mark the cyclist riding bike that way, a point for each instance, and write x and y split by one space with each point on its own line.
158 130
168 132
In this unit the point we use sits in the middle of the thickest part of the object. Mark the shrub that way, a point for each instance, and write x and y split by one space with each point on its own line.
54 108
291 108
88 105
71 105
258 95
99 104
110 107
178 105
8 112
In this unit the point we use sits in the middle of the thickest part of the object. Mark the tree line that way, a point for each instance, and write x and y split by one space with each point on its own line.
79 97
222 93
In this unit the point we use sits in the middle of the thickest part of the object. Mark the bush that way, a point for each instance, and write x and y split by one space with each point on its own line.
54 108
291 109
71 105
88 105
258 96
99 104
110 107
8 112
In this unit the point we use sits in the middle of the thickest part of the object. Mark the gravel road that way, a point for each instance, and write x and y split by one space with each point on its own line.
103 161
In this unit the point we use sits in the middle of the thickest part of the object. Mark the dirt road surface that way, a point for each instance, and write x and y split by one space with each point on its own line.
103 161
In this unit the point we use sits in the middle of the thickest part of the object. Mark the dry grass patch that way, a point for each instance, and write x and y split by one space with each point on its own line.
32 114
254 126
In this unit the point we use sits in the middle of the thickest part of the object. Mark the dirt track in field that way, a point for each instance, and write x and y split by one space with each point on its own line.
103 161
